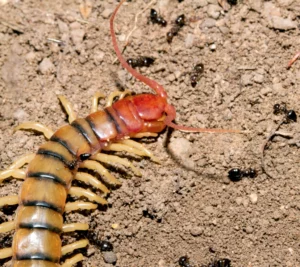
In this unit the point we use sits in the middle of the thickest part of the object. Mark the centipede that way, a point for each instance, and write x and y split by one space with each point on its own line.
49 173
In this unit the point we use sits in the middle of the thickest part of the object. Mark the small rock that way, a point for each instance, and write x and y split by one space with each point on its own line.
63 27
110 257
20 115
189 40
246 79
202 3
77 36
196 231
162 263
209 210
46 66
258 78
181 147
98 57
249 230
213 47
239 200
283 24
208 23
30 57
214 11
253 198
277 215
106 13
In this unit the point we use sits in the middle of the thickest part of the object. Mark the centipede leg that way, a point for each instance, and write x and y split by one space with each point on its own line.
18 174
96 166
6 253
9 200
139 146
71 262
80 205
115 159
71 247
72 227
132 147
21 161
95 101
114 94
80 192
141 135
89 179
68 108
47 132
7 227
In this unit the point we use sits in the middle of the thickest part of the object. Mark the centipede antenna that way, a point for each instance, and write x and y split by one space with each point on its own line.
171 115
151 83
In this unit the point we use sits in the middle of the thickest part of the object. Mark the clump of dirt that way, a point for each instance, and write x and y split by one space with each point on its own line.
185 206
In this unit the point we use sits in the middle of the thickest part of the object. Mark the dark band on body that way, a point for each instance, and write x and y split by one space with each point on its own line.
49 176
63 143
40 226
81 130
48 153
42 204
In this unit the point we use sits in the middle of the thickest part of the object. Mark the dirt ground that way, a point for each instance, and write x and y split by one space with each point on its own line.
185 206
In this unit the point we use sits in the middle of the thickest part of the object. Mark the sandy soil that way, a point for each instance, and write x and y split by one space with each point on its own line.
185 205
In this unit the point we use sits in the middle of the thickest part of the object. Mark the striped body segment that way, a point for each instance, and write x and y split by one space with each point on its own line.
49 176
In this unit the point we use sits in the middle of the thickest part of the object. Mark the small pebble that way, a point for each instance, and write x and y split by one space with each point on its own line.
208 23
196 231
213 47
249 229
253 198
214 11
239 200
106 13
46 66
258 78
246 79
276 215
77 36
189 40
283 24
110 257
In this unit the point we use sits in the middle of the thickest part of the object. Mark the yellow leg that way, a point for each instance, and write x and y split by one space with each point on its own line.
139 146
119 146
114 94
97 167
6 227
68 108
80 192
72 261
89 179
80 205
5 253
141 135
71 227
37 127
115 159
22 161
19 174
9 200
95 101
71 247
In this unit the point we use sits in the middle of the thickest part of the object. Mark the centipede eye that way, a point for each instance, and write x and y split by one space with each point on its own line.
84 156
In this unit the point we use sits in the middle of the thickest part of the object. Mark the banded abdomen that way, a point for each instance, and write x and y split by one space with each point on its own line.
49 176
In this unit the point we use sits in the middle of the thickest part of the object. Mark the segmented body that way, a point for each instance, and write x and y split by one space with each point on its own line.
49 176
42 198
